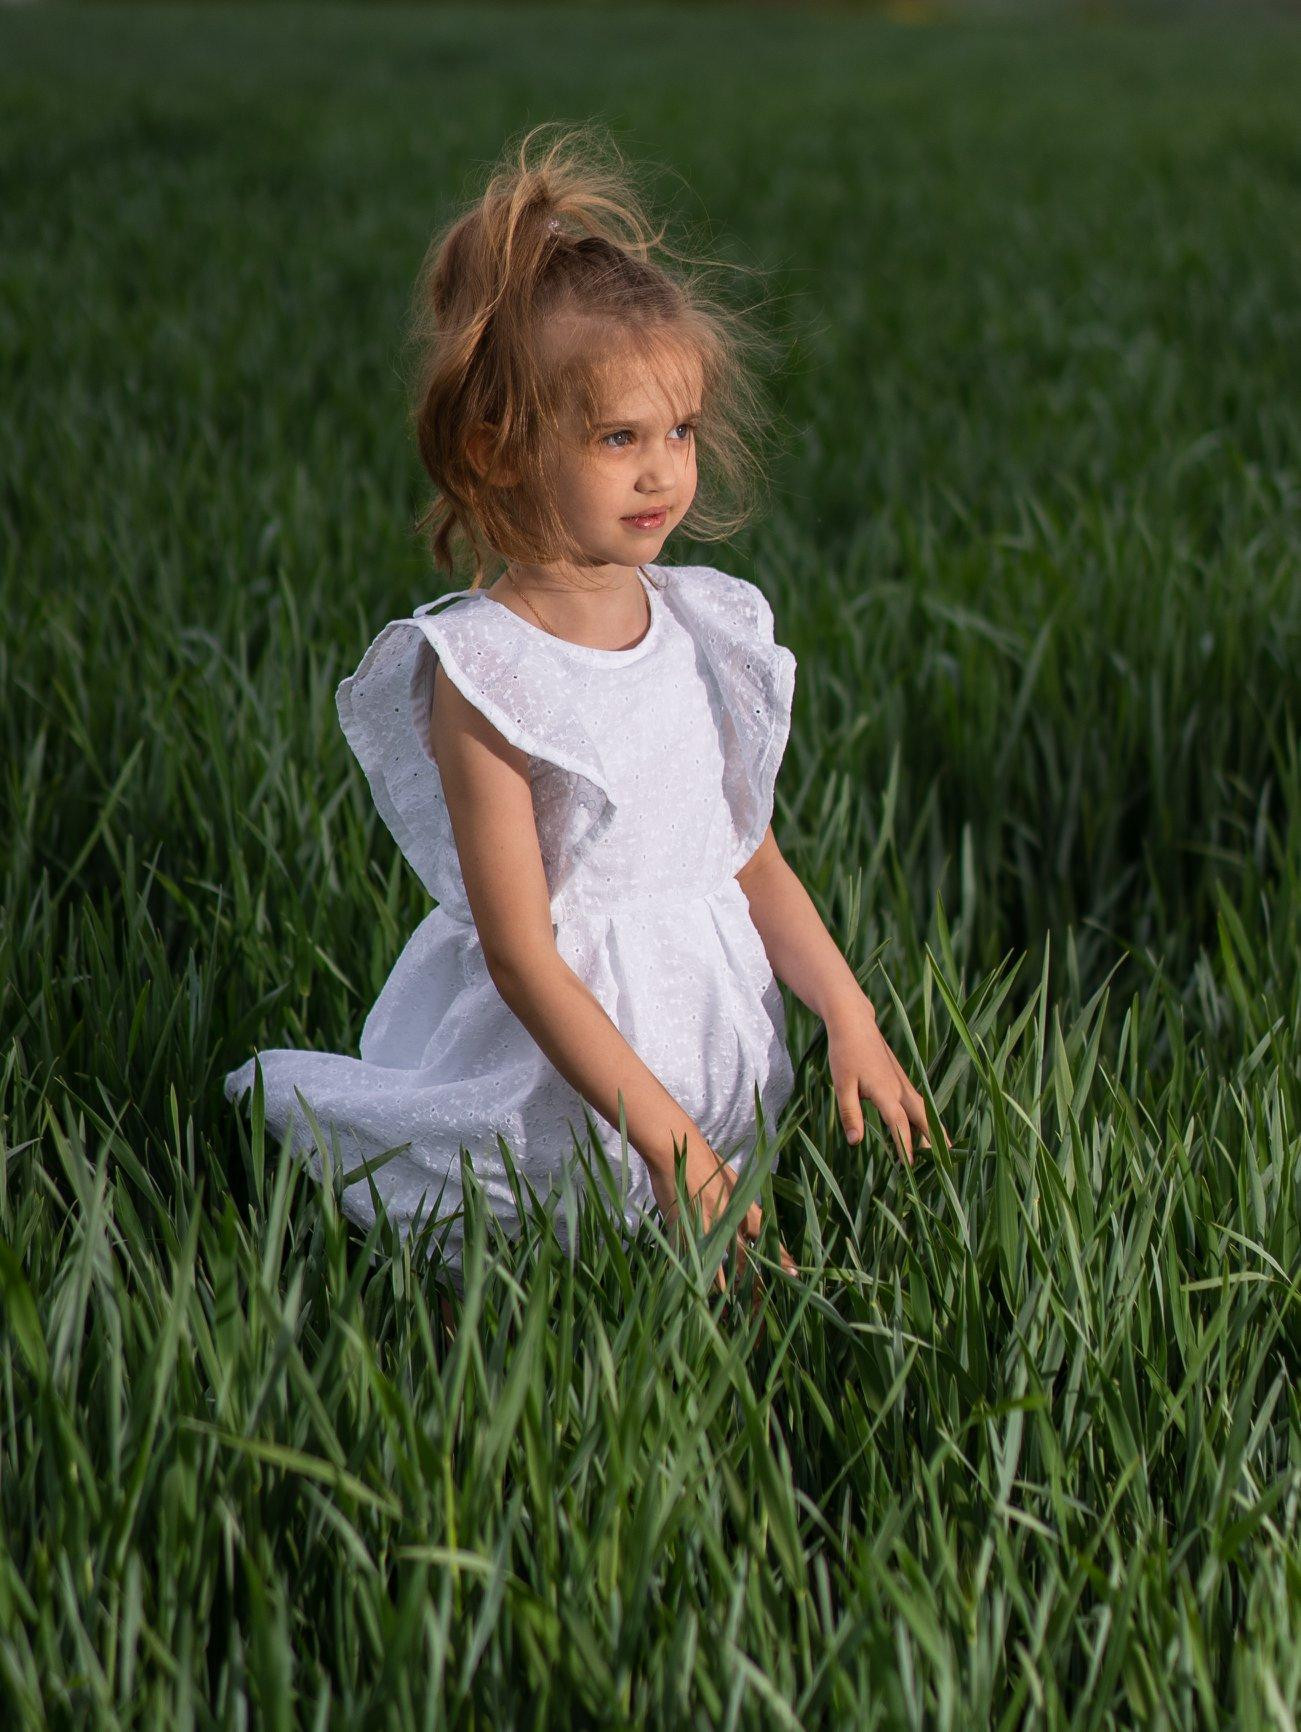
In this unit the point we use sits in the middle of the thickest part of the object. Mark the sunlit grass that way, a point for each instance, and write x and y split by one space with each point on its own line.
1020 1443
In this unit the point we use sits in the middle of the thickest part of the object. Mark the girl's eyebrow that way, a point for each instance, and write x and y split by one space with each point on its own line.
627 421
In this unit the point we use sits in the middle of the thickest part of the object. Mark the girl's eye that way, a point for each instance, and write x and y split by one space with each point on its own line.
626 433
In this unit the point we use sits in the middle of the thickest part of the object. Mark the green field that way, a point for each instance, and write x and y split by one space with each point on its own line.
1021 1446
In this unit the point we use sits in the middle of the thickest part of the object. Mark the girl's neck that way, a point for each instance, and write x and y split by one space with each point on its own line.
559 580
611 615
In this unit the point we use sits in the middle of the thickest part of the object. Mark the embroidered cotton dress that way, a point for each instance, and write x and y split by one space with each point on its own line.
652 771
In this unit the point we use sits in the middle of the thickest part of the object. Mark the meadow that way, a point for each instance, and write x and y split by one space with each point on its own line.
1020 1446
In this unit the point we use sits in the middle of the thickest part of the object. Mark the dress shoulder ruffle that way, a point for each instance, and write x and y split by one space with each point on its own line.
732 622
384 710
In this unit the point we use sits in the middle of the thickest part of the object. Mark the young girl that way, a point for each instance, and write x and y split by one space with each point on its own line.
578 759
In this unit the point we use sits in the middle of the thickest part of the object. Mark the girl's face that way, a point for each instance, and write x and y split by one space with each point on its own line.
626 484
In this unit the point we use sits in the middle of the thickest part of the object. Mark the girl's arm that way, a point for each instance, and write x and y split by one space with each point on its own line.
804 955
489 801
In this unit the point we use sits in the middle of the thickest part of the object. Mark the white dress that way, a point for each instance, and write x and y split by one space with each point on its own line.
652 772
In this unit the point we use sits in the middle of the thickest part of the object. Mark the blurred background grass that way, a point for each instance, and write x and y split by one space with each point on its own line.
1032 537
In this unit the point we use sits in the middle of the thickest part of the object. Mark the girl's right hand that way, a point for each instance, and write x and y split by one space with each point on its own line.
708 1184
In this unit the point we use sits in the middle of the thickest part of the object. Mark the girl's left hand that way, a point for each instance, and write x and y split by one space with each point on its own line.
862 1065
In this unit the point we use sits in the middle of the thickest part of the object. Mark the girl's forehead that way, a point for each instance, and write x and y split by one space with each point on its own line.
638 385
626 372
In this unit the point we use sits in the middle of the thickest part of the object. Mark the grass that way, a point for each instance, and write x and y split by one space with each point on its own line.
1021 1445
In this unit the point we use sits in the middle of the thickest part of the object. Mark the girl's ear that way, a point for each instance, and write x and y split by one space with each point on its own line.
478 449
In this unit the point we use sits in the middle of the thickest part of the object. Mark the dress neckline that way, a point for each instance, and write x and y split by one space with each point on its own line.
593 652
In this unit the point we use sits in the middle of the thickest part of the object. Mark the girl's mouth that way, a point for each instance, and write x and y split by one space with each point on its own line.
648 519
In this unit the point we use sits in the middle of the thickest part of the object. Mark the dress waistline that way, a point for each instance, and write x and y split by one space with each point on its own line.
572 904
578 904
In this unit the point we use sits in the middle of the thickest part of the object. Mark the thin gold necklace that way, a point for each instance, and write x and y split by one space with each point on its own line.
528 604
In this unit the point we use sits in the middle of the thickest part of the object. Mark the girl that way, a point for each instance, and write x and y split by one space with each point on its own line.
578 759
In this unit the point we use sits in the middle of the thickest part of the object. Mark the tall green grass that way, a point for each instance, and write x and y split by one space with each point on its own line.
1020 1445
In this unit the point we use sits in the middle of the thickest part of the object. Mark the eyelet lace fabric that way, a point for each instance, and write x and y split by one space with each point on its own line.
652 772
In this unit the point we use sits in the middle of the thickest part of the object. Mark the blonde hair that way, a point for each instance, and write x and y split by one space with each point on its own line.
565 237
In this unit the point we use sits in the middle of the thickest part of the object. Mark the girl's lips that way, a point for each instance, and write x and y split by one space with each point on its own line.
648 519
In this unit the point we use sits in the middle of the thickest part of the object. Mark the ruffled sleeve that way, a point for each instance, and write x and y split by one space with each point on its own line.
754 677
384 713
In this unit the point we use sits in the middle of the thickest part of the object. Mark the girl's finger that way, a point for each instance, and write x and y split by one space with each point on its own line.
850 1107
923 1126
753 1227
920 1104
915 1107
897 1123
